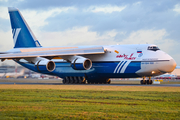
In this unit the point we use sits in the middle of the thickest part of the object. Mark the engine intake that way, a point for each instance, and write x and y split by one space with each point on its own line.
45 65
81 64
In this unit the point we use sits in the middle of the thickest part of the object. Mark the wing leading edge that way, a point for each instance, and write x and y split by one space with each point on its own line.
54 53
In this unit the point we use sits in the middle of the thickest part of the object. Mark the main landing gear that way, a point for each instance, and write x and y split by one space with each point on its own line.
82 80
99 81
74 80
149 81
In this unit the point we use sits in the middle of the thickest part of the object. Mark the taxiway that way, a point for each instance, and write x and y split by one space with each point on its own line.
59 82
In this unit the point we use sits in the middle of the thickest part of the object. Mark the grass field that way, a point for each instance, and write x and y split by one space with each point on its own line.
88 102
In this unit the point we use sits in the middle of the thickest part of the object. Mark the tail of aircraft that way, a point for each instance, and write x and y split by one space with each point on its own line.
22 34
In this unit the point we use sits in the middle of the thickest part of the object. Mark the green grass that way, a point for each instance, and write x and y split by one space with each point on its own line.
88 104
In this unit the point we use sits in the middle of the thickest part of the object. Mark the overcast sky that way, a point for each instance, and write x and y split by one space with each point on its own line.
97 22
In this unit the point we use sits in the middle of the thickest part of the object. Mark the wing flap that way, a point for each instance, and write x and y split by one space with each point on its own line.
48 53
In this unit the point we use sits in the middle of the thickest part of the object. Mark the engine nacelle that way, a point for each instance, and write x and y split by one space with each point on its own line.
81 63
45 65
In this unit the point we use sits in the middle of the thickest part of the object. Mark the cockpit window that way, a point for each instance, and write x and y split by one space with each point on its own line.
153 48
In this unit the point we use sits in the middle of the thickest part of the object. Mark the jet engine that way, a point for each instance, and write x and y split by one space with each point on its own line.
81 63
45 65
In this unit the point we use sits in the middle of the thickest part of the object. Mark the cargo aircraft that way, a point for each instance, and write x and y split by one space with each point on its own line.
81 64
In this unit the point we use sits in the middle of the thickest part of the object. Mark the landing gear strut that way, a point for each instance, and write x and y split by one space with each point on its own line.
108 81
143 82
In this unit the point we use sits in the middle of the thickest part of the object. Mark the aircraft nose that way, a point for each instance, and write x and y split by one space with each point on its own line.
168 66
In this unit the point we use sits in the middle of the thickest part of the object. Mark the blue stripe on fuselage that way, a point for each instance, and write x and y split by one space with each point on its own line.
122 65
109 67
133 67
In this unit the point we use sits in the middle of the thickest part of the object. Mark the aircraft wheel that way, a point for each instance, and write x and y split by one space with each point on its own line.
148 82
143 82
80 80
71 80
76 80
67 80
64 81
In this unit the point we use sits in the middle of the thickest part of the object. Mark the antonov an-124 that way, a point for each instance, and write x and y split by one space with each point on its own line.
81 64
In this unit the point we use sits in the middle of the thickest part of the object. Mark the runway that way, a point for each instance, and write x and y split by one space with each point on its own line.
59 82
158 85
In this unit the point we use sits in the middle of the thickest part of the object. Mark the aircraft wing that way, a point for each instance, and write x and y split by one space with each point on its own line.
54 53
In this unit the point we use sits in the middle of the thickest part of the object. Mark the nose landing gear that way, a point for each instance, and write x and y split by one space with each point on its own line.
143 82
149 81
